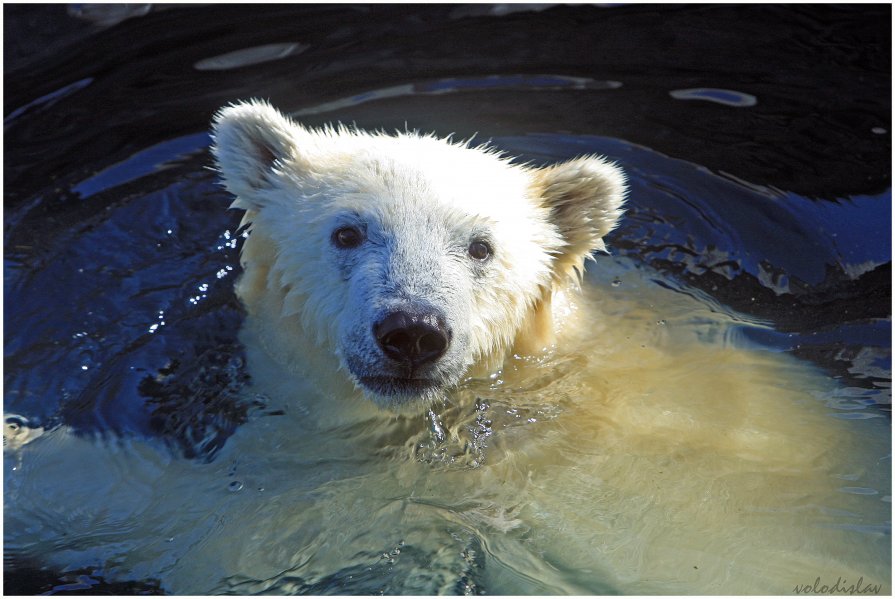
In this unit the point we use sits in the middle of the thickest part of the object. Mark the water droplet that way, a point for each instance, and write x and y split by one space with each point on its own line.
235 486
661 323
616 282
436 427
879 131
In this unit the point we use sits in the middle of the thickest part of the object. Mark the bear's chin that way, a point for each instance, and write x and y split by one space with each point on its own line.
399 393
399 388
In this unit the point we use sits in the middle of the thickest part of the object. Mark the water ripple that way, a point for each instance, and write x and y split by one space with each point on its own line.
727 97
456 84
249 56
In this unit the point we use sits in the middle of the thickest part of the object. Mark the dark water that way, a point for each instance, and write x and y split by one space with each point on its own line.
757 140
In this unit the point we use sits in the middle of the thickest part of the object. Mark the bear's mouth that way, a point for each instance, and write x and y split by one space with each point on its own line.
397 386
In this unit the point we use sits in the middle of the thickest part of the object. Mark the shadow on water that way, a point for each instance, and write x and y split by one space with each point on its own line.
757 141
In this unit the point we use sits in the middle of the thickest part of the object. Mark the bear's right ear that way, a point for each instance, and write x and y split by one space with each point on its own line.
250 141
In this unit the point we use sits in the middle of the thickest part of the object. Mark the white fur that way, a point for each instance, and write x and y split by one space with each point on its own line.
421 201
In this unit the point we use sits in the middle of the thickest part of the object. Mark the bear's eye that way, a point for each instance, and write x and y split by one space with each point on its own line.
347 237
480 250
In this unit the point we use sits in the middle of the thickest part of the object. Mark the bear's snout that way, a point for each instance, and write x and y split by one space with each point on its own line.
415 339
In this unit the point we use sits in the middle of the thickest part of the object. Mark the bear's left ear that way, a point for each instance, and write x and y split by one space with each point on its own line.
585 198
252 139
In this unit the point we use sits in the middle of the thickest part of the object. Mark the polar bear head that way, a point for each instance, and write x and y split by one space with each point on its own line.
407 258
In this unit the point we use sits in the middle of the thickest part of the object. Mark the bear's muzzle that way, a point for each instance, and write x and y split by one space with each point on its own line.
412 339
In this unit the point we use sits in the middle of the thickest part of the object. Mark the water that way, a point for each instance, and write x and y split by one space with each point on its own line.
717 421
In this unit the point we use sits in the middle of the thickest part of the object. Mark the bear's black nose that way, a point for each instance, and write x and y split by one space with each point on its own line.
416 339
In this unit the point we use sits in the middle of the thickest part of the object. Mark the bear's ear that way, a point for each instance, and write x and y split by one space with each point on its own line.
250 140
585 198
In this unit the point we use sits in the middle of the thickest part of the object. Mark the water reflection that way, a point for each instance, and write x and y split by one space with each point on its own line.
250 56
454 85
727 97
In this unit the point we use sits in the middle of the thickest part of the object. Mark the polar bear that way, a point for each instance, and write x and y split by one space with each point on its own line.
406 262
648 452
